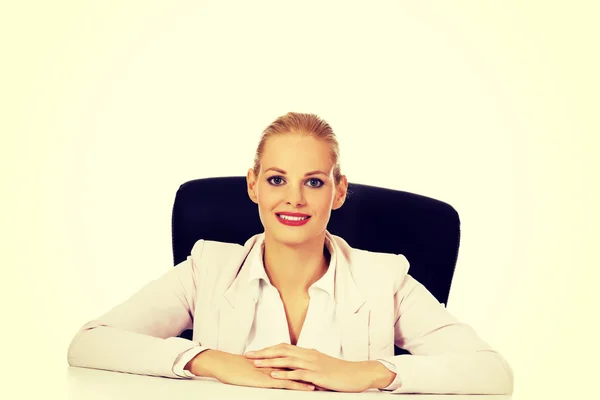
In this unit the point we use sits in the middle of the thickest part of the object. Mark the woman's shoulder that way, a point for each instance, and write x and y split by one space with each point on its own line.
367 262
213 252
202 245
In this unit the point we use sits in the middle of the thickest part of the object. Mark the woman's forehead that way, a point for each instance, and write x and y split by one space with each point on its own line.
296 154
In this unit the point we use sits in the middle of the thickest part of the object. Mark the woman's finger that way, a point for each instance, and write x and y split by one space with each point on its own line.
280 350
283 362
292 385
296 375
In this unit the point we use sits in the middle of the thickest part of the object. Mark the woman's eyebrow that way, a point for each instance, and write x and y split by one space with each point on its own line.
306 174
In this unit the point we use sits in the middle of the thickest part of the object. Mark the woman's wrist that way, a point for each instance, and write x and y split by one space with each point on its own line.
379 375
202 364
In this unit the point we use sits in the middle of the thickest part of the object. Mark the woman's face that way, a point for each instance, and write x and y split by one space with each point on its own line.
296 177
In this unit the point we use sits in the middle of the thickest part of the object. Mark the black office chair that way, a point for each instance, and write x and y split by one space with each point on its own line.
425 230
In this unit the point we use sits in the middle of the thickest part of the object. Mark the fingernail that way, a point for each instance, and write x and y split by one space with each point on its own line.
311 387
258 362
250 353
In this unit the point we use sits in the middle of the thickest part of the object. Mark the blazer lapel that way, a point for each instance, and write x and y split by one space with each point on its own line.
352 317
237 308
235 322
354 328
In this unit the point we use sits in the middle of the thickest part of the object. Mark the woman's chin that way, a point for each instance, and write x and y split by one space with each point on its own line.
291 236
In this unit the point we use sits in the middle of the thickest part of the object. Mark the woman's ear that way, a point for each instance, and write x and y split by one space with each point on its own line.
251 183
340 193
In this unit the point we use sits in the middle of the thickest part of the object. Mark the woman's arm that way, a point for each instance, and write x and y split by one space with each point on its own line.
447 356
139 335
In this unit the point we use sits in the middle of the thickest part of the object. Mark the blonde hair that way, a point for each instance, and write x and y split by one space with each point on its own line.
309 124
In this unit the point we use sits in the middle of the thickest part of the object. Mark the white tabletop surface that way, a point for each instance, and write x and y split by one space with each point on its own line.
91 384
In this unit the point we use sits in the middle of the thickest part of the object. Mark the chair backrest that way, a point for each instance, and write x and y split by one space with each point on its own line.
425 230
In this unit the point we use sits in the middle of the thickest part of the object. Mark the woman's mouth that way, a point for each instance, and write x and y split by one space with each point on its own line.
292 219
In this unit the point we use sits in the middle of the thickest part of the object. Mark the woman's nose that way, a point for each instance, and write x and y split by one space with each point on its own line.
295 195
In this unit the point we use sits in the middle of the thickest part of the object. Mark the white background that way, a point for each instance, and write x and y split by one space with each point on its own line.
108 107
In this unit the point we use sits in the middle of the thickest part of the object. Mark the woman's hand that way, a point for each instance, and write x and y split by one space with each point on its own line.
323 371
238 370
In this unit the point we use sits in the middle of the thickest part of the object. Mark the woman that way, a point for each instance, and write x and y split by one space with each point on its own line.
295 307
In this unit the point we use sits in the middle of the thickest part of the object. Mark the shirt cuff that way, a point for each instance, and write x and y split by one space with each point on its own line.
183 359
397 382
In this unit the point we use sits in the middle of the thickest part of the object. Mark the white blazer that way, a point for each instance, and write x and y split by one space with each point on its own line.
378 304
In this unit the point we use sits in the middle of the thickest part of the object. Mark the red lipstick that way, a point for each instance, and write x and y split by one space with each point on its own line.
297 219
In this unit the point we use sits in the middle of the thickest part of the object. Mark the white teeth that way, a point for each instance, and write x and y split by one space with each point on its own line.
290 218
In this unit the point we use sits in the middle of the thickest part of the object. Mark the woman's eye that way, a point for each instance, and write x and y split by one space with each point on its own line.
275 180
278 181
314 182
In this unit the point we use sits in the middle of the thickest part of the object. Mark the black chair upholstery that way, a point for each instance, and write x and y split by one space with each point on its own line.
425 230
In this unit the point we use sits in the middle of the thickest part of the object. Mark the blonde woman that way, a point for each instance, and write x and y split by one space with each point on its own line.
295 307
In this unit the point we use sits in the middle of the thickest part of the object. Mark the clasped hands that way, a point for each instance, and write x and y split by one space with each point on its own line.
291 367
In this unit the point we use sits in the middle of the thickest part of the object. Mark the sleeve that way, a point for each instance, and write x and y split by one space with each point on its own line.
447 356
139 336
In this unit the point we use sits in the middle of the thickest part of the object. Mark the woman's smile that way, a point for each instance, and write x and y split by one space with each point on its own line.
292 219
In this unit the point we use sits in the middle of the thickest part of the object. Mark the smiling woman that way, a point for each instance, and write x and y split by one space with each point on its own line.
296 171
295 307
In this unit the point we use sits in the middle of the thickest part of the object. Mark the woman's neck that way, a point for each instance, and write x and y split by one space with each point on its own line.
293 269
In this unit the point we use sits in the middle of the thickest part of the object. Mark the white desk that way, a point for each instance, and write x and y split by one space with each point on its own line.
88 384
